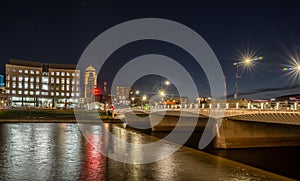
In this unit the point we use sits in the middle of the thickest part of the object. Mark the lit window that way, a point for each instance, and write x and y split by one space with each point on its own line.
37 72
52 73
25 85
62 94
8 77
68 94
52 93
37 92
20 71
68 81
77 89
19 92
45 80
68 87
72 94
63 74
73 81
73 74
14 78
7 84
26 92
31 72
57 80
13 92
20 85
57 73
77 74
20 78
62 81
26 79
44 87
31 92
14 70
31 79
14 85
7 91
57 93
37 79
77 94
68 74
37 86
52 80
26 71
31 86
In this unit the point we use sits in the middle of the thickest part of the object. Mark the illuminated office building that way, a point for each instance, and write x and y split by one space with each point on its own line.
35 84
90 83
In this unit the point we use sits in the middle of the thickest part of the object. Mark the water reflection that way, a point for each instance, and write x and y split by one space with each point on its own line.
60 152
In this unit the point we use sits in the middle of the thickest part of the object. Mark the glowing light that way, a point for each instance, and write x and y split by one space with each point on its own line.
162 93
167 82
144 98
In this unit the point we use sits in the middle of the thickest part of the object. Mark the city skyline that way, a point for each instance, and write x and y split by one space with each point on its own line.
231 29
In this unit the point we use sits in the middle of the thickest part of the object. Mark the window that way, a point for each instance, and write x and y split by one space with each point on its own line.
57 93
20 86
73 74
68 94
25 85
63 87
19 92
63 81
62 94
31 79
14 70
45 80
44 87
37 72
20 70
14 78
68 74
32 72
14 85
37 79
68 80
26 79
57 80
8 77
37 86
57 73
31 86
7 84
68 87
72 94
77 94
26 92
37 92
13 92
52 93
52 80
31 92
20 78
7 91
62 73
52 73
26 71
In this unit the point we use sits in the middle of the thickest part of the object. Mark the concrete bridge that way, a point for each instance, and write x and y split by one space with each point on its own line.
236 128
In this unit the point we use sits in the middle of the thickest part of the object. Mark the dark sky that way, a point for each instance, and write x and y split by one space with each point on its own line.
59 31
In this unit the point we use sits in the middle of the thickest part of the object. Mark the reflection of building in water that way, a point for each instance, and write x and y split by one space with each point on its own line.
90 83
36 84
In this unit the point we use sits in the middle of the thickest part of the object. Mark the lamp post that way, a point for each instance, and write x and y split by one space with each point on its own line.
247 61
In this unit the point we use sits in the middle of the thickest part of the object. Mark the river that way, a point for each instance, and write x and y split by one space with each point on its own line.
58 151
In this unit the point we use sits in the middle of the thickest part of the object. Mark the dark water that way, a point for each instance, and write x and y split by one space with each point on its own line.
51 151
281 160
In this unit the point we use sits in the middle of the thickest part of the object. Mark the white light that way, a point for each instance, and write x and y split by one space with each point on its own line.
167 82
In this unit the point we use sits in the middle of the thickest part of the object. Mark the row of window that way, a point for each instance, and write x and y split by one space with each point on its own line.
37 86
43 93
37 72
44 80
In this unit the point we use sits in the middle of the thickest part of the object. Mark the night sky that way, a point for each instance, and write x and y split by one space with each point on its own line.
58 32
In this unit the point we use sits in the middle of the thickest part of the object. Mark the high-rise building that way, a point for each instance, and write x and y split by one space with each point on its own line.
123 95
90 82
35 84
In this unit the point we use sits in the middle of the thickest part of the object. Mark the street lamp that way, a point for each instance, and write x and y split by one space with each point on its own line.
245 62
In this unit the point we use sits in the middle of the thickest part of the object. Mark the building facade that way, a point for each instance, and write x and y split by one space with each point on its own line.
123 95
90 83
35 84
1 80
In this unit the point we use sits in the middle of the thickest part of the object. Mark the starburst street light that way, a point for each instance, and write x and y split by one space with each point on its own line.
246 62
